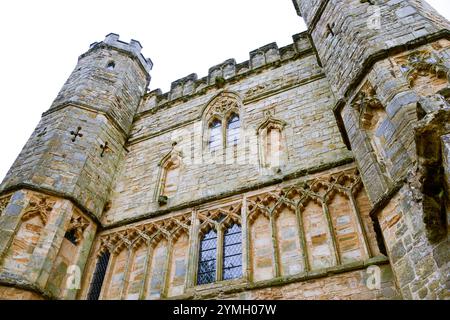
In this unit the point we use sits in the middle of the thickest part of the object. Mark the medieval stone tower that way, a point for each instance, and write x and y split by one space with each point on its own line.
319 170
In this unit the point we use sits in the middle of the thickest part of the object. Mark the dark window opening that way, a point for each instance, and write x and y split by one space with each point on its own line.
111 65
72 236
99 276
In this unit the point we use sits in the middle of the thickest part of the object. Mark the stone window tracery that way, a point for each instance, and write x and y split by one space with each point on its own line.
4 203
425 72
222 122
220 245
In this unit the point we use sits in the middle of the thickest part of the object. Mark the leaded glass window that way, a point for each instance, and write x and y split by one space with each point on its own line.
233 127
215 135
232 253
207 259
99 276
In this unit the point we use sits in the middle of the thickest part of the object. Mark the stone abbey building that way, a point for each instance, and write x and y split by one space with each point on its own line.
319 170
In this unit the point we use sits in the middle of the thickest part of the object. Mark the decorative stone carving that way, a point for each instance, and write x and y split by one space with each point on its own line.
149 233
366 102
77 225
220 218
4 203
221 107
422 63
260 88
39 205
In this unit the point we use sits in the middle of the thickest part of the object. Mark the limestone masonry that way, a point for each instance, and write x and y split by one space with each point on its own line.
319 170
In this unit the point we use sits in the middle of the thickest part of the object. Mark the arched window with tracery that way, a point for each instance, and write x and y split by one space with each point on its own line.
220 245
222 122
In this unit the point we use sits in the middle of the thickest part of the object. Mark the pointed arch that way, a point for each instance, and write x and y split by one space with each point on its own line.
222 121
272 147
169 176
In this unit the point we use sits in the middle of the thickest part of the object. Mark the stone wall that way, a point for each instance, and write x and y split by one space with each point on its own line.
294 231
421 267
291 91
345 38
35 249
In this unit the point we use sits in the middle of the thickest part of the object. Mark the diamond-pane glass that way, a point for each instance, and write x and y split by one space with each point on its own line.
207 258
232 253
99 276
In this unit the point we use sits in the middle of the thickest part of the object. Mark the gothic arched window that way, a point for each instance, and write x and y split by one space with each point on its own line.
222 122
233 127
208 258
226 246
215 135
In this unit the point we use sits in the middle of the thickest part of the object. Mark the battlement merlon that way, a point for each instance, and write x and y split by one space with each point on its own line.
265 56
133 49
297 7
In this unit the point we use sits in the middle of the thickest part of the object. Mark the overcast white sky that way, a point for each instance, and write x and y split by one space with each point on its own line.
41 41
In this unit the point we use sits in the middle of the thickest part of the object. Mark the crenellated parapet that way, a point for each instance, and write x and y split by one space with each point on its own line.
133 49
228 72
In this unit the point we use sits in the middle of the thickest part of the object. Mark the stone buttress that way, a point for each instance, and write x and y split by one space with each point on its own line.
388 65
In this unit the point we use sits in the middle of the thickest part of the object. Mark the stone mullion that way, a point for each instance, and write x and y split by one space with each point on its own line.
167 267
219 253
245 241
108 275
193 251
361 224
301 233
147 269
224 134
126 274
276 258
332 235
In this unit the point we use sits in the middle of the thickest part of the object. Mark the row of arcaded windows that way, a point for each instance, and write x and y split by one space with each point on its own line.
313 225
211 267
